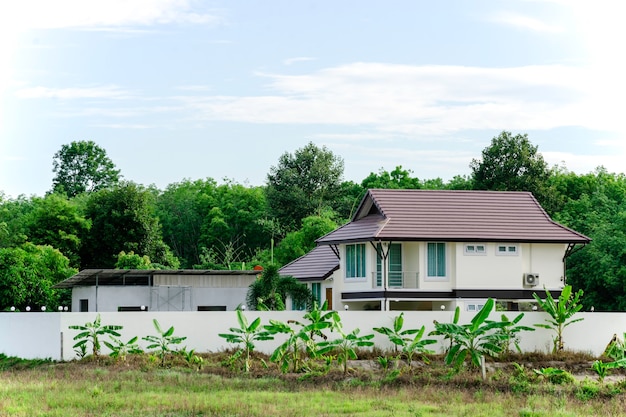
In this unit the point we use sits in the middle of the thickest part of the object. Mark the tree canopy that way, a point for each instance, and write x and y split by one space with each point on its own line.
82 166
303 183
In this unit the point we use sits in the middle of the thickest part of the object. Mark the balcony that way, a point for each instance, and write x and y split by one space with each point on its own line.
397 279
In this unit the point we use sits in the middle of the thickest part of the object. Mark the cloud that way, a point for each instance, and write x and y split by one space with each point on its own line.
421 100
44 14
524 22
101 92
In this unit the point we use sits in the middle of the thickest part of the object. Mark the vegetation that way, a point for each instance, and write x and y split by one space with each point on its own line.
91 332
91 216
164 342
82 167
561 312
246 335
270 291
139 388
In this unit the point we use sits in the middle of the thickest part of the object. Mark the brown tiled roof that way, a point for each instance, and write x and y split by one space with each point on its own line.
316 265
419 215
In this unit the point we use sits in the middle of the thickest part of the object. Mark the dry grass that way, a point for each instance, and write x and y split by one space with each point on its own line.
139 387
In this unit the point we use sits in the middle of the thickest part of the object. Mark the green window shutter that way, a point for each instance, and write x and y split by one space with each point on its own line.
436 258
395 265
379 266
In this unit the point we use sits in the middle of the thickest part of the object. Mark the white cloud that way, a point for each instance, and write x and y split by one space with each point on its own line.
415 100
524 22
45 14
101 92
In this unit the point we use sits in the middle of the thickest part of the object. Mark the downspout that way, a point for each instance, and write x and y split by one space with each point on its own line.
96 293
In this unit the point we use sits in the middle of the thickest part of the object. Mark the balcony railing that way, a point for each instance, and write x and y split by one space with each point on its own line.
397 279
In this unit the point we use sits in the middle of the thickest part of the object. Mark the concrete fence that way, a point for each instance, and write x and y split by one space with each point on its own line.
47 335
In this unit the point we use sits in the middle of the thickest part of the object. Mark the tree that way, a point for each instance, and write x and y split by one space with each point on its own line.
131 260
82 166
271 290
27 275
296 244
399 178
512 163
58 222
302 184
122 220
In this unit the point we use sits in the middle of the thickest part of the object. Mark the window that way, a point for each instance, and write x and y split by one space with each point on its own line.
394 258
83 305
355 261
510 250
436 259
475 249
316 289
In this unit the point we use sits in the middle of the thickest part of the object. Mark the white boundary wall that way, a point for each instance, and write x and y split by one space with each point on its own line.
47 335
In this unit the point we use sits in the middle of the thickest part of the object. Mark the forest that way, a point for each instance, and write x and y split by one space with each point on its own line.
94 218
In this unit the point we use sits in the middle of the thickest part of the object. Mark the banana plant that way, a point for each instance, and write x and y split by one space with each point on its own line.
409 341
91 333
245 335
345 345
163 341
301 337
561 311
120 350
510 330
477 339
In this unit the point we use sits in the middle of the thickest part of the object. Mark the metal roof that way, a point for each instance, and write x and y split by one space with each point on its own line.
91 277
317 265
438 215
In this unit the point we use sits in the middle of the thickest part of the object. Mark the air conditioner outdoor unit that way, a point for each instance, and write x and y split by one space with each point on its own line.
531 279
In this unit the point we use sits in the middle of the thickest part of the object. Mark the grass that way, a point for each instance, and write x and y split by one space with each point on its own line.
139 387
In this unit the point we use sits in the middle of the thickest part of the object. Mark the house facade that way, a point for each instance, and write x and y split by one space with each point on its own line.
431 250
100 290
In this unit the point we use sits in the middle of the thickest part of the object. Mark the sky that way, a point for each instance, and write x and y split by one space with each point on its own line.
190 89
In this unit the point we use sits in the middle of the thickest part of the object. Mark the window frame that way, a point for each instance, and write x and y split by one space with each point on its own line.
355 262
507 251
445 265
474 252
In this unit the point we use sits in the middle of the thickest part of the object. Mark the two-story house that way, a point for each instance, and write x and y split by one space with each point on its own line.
430 250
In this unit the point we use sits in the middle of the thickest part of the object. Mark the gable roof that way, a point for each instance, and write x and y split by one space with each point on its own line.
442 215
317 265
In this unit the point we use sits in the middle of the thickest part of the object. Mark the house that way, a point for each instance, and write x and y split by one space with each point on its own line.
431 250
158 290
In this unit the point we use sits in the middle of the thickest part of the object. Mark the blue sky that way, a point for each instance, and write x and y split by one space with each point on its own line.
176 89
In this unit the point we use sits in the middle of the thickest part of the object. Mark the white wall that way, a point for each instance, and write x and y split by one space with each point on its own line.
46 335
110 297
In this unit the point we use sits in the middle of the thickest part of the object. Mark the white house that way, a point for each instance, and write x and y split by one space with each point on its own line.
158 290
430 250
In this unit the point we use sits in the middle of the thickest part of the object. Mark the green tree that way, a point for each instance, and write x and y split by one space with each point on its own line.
27 275
58 222
271 290
303 183
595 204
82 166
12 221
122 219
131 260
399 178
182 208
231 229
512 163
296 244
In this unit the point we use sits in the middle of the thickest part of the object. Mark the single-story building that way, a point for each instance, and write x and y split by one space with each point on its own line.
158 290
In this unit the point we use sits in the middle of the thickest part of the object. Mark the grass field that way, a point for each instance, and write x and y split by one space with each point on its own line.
139 387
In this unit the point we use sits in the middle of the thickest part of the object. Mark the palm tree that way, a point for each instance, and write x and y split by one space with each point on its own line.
270 291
